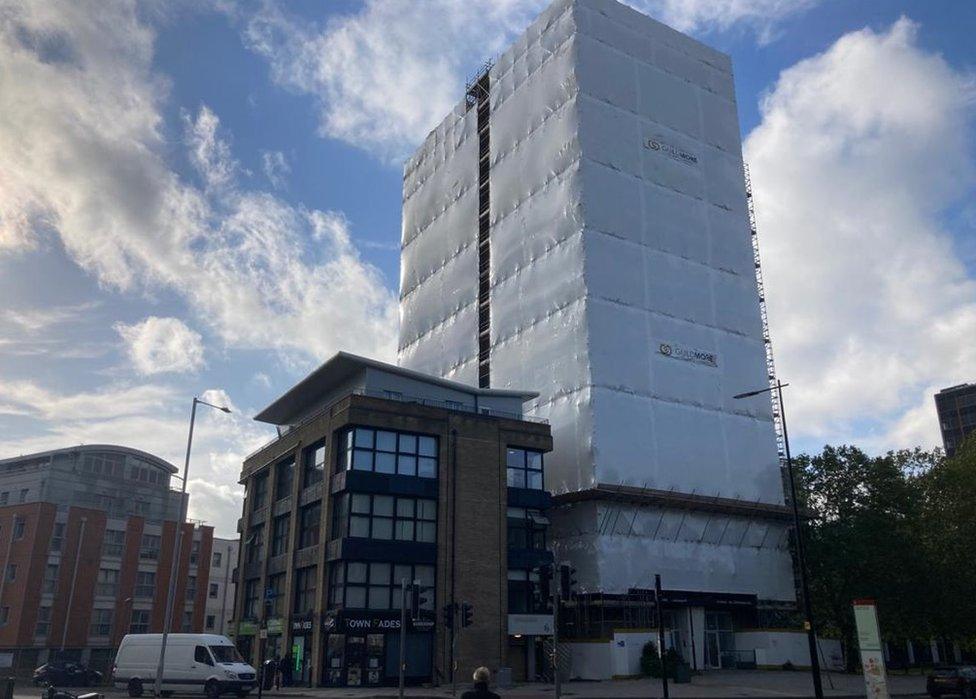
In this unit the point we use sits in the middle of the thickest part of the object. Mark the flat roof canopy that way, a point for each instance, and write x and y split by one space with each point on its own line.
341 367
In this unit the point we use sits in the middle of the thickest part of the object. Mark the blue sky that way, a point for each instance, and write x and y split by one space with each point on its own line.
187 190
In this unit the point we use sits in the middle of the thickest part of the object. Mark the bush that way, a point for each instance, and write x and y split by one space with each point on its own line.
651 662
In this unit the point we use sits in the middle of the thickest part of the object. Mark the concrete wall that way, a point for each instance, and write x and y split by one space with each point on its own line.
774 648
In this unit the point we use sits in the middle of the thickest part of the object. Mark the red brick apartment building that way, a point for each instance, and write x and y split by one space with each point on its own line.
87 538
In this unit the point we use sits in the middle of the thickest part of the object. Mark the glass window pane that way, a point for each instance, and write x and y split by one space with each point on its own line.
379 597
535 479
426 509
383 505
533 459
379 573
408 444
362 460
360 504
427 468
359 526
382 528
427 446
404 530
427 532
385 463
386 441
425 574
347 439
355 572
516 478
345 460
356 597
364 438
407 465
405 507
516 458
402 572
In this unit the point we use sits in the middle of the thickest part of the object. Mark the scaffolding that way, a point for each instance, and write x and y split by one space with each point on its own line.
767 342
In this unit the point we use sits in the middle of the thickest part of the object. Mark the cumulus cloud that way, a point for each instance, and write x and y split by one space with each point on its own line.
385 75
860 151
157 345
83 157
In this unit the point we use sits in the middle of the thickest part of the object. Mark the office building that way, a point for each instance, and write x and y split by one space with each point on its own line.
578 224
956 407
87 537
221 589
381 474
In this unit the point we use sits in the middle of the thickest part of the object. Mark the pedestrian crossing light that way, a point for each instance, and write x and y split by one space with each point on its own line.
467 612
448 611
567 581
417 600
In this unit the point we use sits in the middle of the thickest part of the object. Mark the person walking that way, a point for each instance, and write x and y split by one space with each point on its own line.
482 677
286 666
276 668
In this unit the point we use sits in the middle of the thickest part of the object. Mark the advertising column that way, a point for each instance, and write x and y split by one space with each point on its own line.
872 655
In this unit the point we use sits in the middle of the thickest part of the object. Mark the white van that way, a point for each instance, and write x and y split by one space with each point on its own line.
195 662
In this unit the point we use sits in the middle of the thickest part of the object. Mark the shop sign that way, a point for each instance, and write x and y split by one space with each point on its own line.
302 625
422 624
672 151
530 624
675 351
276 626
247 628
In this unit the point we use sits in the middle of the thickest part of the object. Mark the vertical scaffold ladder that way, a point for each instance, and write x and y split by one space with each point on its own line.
767 342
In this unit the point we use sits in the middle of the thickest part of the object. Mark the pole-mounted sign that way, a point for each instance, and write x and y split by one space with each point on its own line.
872 653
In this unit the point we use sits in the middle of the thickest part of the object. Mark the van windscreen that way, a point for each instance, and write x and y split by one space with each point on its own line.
226 654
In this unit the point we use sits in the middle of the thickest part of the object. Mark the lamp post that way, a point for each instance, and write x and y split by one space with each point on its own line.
801 558
174 567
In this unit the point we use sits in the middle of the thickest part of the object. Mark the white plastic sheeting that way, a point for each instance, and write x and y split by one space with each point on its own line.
622 284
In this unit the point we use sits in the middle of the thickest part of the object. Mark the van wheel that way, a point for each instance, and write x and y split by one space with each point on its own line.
135 688
212 689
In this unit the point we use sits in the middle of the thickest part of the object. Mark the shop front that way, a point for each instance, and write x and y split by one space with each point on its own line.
362 649
301 646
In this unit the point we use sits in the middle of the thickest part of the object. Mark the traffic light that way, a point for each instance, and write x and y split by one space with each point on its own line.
467 611
567 581
417 600
544 589
448 611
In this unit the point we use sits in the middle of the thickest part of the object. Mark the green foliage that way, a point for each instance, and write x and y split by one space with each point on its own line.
898 528
650 661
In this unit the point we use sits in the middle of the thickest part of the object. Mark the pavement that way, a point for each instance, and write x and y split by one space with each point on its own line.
711 685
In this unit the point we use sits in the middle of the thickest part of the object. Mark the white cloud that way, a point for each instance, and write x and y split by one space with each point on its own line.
386 75
156 345
859 152
34 320
82 155
276 167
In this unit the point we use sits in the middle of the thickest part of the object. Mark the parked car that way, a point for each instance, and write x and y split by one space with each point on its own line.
195 662
66 674
955 679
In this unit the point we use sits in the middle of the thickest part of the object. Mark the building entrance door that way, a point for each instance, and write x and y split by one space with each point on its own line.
719 640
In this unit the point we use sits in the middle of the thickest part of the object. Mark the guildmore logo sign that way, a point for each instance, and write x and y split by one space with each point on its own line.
669 349
673 152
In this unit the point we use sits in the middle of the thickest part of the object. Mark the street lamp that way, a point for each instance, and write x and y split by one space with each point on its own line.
174 567
807 607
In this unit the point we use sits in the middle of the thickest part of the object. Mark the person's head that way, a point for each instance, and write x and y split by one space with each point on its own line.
482 675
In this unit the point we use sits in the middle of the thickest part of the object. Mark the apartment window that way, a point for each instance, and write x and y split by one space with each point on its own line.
108 582
101 624
279 535
19 525
526 529
314 464
255 550
284 477
23 494
211 620
57 536
524 468
113 543
356 585
50 583
250 610
276 583
11 572
187 625
308 532
139 622
364 449
194 553
214 591
386 517
103 464
4 497
216 560
306 580
149 549
4 615
43 627
523 586
260 495
145 584
191 588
